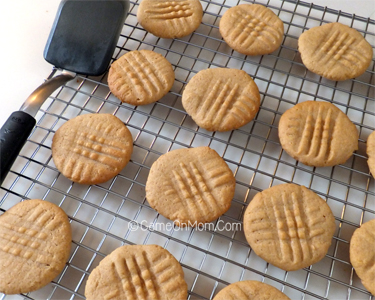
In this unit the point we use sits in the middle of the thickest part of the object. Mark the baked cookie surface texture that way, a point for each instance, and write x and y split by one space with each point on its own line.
35 241
289 226
137 272
362 254
335 51
92 148
170 19
190 186
317 134
140 77
252 29
221 99
370 150
250 290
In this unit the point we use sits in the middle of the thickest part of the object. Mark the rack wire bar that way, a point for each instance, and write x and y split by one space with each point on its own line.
108 215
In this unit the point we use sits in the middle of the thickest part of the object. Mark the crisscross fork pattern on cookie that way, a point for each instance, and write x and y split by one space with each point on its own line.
141 277
29 240
193 192
169 10
248 27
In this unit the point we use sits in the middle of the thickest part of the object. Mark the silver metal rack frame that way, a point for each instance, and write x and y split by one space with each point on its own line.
108 215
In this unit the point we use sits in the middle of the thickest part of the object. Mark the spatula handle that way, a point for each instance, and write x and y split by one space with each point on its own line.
13 136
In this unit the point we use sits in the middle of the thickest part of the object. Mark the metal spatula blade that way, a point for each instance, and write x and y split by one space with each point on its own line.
82 40
84 35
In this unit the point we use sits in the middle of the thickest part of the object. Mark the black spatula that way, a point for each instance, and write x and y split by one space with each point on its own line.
82 40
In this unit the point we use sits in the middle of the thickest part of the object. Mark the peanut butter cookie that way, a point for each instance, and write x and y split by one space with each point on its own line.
317 134
140 77
170 19
92 148
370 150
190 186
137 272
221 99
35 239
335 51
289 226
362 254
250 290
252 29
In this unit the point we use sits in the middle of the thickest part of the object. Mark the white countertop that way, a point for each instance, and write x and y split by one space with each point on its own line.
24 28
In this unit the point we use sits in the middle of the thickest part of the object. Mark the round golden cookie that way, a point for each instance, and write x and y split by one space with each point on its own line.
35 241
289 226
335 51
221 99
362 254
252 29
92 148
317 134
140 77
190 186
370 150
250 290
170 19
137 272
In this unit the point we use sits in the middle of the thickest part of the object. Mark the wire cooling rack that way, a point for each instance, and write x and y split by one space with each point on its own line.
106 216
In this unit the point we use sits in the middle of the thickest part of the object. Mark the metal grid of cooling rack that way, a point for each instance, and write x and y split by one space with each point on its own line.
101 215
